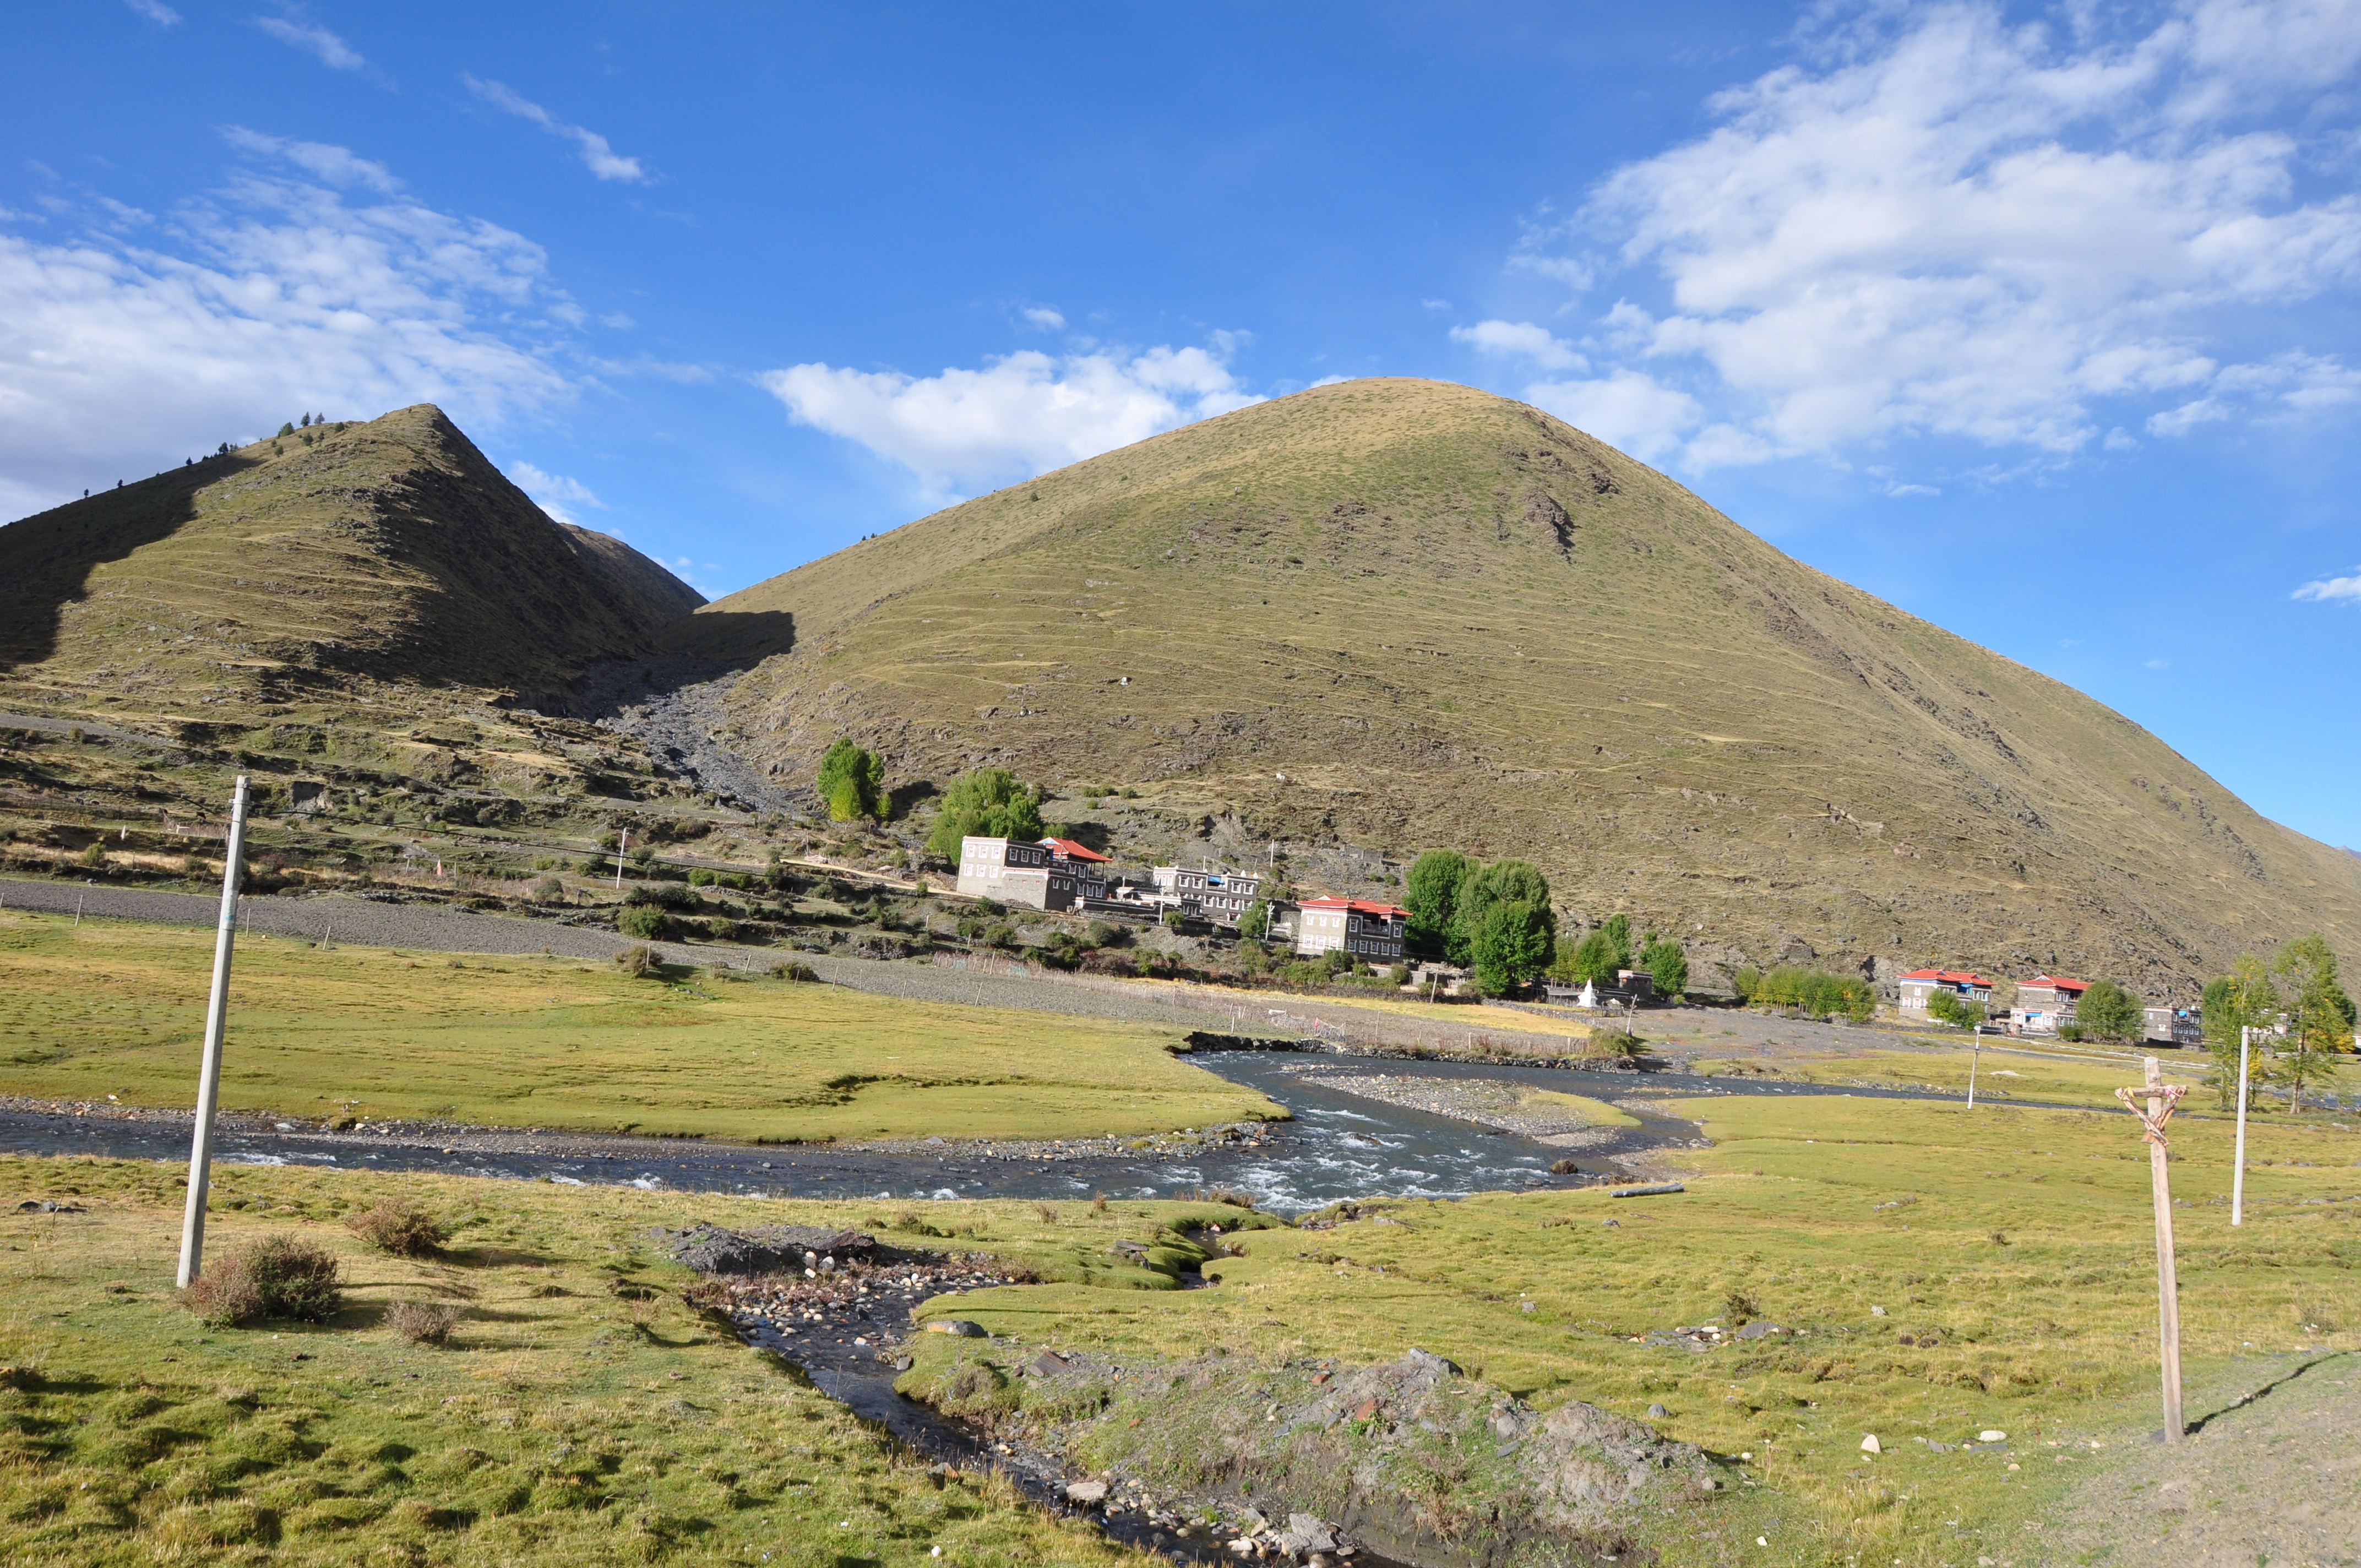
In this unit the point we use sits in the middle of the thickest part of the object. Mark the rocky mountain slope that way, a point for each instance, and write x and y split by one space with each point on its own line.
1404 614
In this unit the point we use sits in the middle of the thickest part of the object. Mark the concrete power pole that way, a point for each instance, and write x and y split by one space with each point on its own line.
2238 1170
201 1145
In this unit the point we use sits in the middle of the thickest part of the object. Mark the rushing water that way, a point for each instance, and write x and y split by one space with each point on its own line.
1338 1145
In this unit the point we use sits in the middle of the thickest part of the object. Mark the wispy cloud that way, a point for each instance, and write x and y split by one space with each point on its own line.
155 11
1018 415
273 294
1044 317
597 156
1950 222
337 165
553 493
312 39
2328 591
1520 340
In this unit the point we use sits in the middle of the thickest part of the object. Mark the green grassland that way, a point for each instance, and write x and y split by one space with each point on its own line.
2017 1073
583 1412
1448 620
115 1009
2012 1251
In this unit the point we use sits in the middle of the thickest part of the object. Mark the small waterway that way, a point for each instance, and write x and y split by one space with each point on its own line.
1338 1145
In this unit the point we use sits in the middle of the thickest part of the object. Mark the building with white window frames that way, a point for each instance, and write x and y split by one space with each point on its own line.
1047 875
1370 932
1221 897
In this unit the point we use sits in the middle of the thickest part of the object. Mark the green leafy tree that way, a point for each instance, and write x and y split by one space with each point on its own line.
987 804
1667 965
1511 945
2320 1015
1255 924
849 780
1432 898
1503 881
2243 999
2108 1011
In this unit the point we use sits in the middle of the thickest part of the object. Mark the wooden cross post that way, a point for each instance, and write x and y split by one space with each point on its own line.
2161 1098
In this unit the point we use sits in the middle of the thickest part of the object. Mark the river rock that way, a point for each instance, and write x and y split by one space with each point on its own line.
766 1249
1087 1493
1305 1533
964 1328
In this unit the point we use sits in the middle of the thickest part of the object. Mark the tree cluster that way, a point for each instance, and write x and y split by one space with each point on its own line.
1814 992
987 804
850 780
1495 920
2304 1018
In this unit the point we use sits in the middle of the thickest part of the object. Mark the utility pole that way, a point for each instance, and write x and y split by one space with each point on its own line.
1975 1055
622 845
201 1145
2161 1098
2238 1170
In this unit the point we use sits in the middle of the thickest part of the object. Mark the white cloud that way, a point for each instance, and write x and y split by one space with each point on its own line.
600 158
1946 223
2159 663
337 165
1017 416
1045 318
155 11
239 311
2328 591
1626 408
1520 340
312 39
553 493
1435 304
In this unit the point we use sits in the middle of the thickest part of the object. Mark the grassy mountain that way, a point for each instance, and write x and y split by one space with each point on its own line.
1401 613
391 549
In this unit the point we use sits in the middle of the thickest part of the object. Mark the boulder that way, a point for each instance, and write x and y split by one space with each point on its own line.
1305 1534
1089 1494
964 1328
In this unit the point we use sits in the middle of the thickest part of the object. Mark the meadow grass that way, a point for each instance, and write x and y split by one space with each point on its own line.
2013 1072
582 1411
2011 1250
115 1009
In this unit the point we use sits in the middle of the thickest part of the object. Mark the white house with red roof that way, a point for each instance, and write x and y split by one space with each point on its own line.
1919 986
1370 932
1054 873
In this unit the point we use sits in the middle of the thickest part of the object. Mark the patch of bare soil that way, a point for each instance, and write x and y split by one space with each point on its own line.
2273 1482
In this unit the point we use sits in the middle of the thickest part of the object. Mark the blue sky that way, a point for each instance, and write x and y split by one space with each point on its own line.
2038 321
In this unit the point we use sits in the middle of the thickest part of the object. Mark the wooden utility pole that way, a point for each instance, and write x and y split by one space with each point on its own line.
2238 1168
2161 1099
201 1145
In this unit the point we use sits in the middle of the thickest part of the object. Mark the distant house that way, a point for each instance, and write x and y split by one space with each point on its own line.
2045 1004
1919 986
1038 875
2173 1026
1370 932
1221 897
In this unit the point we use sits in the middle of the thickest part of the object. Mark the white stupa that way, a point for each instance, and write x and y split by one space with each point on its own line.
1589 997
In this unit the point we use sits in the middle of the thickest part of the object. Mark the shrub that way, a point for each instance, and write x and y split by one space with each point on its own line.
639 963
1741 1306
95 856
643 923
700 877
1231 1196
795 969
400 1228
667 895
422 1322
548 889
278 1278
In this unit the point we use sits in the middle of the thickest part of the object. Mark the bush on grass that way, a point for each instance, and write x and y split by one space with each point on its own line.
795 969
278 1278
643 923
400 1228
640 962
422 1322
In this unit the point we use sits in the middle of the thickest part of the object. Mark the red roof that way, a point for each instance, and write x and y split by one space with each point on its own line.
2059 982
1953 977
1072 851
1358 907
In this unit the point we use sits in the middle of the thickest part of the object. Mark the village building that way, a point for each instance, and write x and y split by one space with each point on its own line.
2045 1004
1049 874
1372 932
1221 897
1919 986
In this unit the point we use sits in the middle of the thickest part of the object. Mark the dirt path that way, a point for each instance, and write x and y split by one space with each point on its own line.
2274 1483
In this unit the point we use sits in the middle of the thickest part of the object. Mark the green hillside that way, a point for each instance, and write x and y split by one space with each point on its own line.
1448 619
391 549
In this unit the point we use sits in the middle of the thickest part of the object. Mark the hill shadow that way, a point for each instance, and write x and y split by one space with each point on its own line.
725 642
47 559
